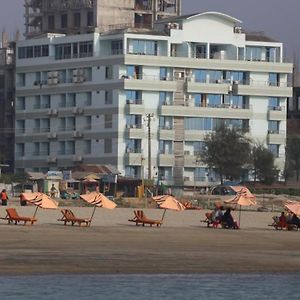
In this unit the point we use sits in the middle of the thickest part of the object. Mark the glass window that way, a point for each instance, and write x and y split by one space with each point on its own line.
200 76
273 127
90 19
108 121
274 149
107 145
64 21
117 47
77 19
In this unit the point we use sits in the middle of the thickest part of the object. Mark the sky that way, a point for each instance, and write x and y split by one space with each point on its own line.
279 19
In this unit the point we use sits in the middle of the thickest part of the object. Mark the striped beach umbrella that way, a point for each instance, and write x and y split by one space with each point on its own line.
39 200
98 200
168 202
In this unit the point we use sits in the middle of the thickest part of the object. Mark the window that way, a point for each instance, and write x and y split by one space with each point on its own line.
144 47
253 53
108 72
273 79
87 147
200 75
274 149
20 103
44 148
133 145
33 51
20 150
64 21
90 19
21 79
108 97
51 22
107 145
20 124
77 19
116 47
85 49
274 103
107 121
132 171
165 147
88 123
273 127
200 174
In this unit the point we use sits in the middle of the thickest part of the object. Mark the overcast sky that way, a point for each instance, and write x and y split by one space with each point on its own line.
279 19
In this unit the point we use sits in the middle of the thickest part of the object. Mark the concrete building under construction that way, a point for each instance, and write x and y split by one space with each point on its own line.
84 16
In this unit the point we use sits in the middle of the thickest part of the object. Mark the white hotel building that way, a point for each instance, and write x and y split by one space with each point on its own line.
84 98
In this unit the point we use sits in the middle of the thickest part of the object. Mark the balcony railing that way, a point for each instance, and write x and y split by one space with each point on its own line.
134 101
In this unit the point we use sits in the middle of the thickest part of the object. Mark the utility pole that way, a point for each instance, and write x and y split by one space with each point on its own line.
148 119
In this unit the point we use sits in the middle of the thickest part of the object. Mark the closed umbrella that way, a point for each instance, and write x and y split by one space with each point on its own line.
168 202
98 200
243 198
293 206
40 200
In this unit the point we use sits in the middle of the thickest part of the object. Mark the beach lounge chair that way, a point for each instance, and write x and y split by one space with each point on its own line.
69 217
12 216
278 225
141 218
209 220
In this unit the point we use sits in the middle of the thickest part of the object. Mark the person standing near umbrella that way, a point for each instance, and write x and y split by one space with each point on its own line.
4 197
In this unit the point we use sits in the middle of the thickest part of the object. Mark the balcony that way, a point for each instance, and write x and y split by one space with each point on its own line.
262 88
133 159
277 113
276 136
166 160
134 107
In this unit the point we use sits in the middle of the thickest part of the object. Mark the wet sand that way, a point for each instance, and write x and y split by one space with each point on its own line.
114 245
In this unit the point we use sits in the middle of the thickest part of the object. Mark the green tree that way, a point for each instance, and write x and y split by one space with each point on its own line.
227 151
263 165
293 154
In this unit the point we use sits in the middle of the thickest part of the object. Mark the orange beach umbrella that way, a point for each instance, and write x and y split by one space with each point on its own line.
168 202
40 200
293 206
98 200
243 198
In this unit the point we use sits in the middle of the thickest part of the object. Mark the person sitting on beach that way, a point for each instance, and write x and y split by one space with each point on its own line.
295 220
282 220
228 219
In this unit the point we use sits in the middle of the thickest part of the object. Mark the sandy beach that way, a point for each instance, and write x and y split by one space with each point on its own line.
114 245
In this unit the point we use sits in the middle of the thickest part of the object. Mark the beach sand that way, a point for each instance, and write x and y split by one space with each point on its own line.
114 245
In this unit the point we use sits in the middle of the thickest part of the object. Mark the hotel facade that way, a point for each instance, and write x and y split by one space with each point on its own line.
100 98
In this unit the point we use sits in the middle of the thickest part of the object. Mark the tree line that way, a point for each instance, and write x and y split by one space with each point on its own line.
231 154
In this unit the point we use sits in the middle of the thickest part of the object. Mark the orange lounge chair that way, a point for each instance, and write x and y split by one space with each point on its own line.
69 217
140 218
13 217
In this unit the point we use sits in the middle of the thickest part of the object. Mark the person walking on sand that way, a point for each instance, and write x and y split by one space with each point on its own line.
4 197
53 191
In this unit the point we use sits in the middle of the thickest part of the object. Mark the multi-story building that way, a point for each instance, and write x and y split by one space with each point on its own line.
89 98
83 16
7 96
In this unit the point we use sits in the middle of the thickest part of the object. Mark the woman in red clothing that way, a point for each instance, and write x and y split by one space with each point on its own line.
282 220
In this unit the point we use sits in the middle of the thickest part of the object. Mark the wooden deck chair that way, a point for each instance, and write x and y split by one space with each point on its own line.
141 218
69 217
12 216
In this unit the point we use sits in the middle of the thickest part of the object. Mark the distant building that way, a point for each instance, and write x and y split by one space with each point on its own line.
7 97
86 98
84 16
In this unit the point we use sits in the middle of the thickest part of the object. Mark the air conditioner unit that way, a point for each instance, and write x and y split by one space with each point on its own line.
77 134
80 110
52 135
37 82
52 159
77 158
